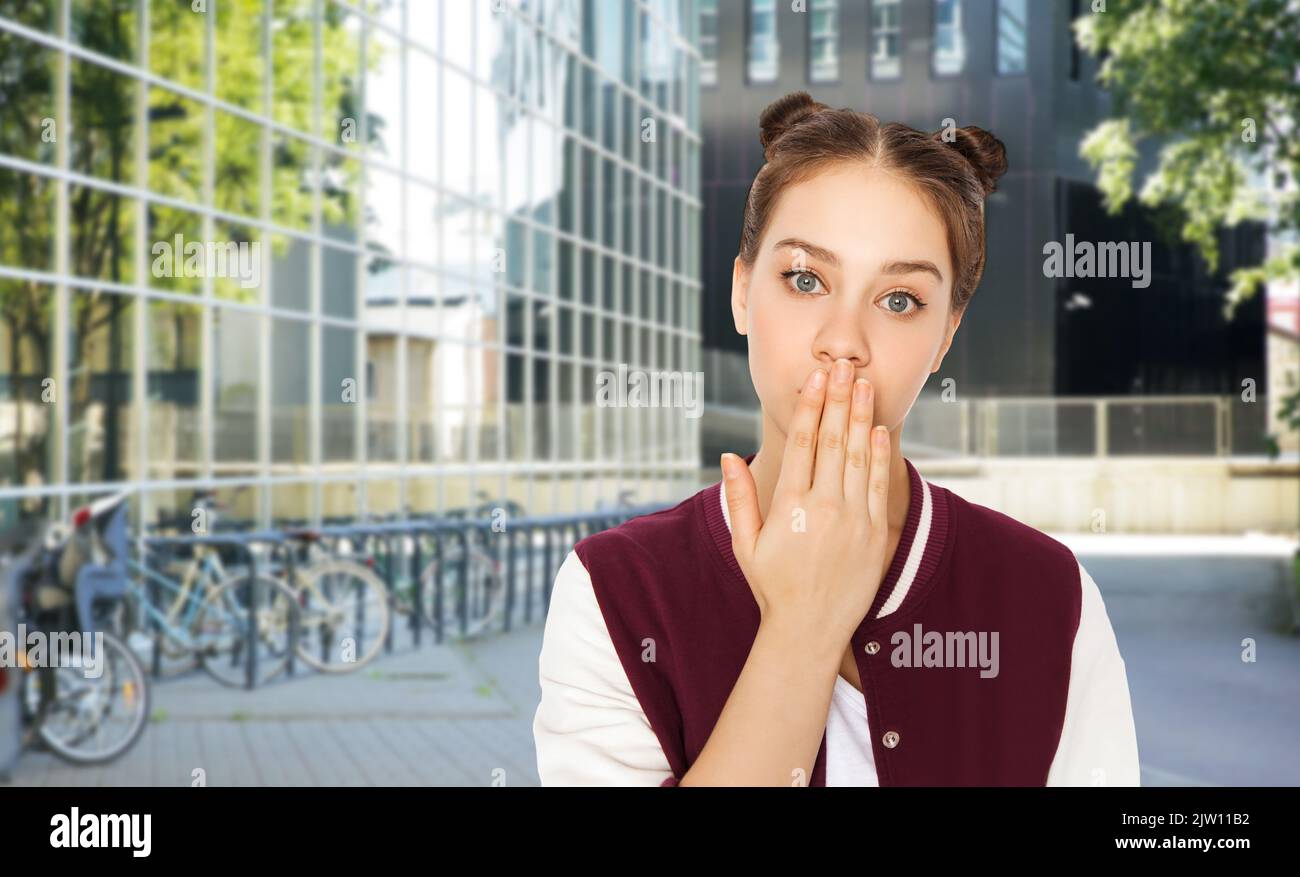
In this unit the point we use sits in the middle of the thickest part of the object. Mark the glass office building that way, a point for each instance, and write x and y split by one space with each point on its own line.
337 259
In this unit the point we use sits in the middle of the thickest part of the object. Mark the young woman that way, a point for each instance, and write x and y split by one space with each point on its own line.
823 615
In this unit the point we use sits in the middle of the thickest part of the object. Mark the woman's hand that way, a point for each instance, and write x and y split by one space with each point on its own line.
817 561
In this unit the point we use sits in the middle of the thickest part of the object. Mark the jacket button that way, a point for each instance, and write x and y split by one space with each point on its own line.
890 739
872 647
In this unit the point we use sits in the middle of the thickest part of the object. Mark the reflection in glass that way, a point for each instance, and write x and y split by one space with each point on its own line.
340 201
238 26
26 382
885 29
381 396
175 240
384 97
291 504
176 145
101 433
102 239
238 175
293 53
290 260
824 41
290 414
291 195
949 44
177 39
235 369
1012 21
174 354
421 401
27 94
340 77
102 140
338 282
761 47
422 122
340 390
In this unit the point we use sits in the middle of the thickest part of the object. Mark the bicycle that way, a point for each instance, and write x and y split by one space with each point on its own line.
205 620
482 601
66 708
318 595
344 606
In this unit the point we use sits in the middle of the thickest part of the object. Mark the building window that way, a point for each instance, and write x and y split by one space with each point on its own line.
824 41
885 62
708 42
949 45
1013 20
402 161
761 60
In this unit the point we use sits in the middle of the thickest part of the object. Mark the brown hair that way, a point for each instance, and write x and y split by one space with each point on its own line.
802 136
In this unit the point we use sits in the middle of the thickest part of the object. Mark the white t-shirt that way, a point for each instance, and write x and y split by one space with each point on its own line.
589 728
850 760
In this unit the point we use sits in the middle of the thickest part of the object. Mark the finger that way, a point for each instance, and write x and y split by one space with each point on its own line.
878 490
742 505
797 458
859 454
828 468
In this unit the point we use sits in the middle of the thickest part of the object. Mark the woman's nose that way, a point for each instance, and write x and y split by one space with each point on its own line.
855 363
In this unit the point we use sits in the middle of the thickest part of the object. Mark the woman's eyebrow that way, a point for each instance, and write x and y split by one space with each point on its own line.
893 267
812 249
911 266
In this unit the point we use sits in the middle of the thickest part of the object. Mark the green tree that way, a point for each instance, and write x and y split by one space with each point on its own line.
1218 82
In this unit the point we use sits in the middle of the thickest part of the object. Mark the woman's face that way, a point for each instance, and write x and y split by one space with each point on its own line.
853 264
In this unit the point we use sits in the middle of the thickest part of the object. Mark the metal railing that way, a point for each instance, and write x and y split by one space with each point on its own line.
527 552
1055 426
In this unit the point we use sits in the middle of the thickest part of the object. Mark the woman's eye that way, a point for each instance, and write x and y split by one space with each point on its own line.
804 282
897 303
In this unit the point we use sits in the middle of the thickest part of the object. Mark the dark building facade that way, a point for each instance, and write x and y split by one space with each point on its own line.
1010 66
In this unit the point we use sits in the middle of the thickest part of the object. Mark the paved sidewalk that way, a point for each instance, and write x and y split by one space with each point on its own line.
449 715
461 715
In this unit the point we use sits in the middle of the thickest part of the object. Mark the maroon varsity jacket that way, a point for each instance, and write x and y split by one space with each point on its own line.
671 577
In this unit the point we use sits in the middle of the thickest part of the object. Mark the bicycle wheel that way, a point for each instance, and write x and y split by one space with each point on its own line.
483 597
128 621
219 633
86 719
345 616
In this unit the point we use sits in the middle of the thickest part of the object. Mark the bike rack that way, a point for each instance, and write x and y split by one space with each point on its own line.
555 533
243 543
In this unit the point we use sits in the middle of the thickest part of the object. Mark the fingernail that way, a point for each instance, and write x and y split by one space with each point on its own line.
843 371
728 467
881 435
819 379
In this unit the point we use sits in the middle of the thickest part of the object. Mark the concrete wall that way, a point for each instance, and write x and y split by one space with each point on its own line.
1132 494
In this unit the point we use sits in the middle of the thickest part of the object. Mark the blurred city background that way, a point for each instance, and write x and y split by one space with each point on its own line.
292 282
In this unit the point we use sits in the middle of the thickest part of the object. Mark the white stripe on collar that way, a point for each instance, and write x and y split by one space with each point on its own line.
914 554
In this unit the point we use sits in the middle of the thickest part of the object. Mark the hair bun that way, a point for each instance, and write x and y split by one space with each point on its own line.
783 114
986 153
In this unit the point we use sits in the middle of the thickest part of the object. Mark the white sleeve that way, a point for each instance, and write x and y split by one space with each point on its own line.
1098 741
589 728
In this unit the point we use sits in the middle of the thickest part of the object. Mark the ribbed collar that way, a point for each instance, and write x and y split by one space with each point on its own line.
911 571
